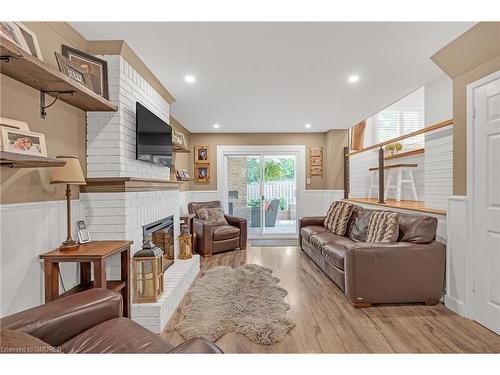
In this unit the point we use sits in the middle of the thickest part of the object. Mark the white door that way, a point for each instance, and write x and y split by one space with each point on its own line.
486 202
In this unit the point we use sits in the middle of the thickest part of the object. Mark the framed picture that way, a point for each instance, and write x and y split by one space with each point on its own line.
316 170
30 40
201 154
179 138
11 32
23 142
202 173
315 151
14 124
96 68
73 71
316 160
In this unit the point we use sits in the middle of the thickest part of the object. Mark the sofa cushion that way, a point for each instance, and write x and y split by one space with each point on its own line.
307 232
337 217
225 232
119 335
12 341
383 227
417 228
213 216
320 239
334 253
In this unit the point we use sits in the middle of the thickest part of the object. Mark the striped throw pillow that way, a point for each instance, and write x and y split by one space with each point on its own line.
337 217
383 227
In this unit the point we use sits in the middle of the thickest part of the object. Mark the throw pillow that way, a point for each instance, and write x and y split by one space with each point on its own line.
214 216
20 342
383 227
337 217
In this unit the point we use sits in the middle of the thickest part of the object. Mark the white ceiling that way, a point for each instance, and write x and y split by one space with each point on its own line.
276 77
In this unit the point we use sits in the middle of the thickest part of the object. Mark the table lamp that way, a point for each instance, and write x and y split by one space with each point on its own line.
69 174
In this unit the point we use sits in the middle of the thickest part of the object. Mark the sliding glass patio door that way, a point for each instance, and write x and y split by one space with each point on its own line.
261 187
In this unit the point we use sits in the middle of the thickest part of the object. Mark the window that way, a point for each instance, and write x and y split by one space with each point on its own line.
393 123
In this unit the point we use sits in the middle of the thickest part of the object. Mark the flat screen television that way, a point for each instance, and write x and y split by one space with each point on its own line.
154 138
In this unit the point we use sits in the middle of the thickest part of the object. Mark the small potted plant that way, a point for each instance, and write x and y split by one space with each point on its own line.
394 148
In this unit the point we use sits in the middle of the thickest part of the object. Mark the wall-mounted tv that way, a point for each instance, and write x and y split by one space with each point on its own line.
154 137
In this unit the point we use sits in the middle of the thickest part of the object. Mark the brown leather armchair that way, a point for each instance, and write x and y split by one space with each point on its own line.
92 322
211 239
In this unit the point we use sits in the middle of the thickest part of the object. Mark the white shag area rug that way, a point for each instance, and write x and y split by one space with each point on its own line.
246 300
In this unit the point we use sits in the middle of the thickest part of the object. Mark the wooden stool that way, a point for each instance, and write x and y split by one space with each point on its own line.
397 185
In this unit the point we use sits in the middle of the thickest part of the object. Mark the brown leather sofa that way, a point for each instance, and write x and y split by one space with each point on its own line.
409 270
211 239
92 322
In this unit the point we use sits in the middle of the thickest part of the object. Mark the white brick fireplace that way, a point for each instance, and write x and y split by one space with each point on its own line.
122 215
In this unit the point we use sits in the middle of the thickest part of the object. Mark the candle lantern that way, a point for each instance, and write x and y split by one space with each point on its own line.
148 273
185 243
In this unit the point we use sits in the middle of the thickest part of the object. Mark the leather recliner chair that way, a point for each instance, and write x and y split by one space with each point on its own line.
210 238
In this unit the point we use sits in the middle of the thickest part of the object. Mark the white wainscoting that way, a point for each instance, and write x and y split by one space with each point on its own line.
317 202
456 297
28 230
196 196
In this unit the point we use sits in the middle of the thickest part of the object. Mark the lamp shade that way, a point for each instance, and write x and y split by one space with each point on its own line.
70 173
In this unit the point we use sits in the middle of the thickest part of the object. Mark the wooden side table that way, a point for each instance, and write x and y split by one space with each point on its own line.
96 253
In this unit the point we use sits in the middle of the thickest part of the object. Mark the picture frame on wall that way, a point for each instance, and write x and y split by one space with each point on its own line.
179 138
202 154
11 32
96 68
202 173
30 40
22 142
73 71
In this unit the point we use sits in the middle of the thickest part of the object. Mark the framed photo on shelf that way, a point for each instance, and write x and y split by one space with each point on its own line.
14 124
23 142
30 40
182 175
179 138
202 173
73 71
11 32
95 67
202 154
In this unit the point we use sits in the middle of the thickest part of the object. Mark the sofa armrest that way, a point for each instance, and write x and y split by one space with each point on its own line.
197 345
394 272
58 321
311 220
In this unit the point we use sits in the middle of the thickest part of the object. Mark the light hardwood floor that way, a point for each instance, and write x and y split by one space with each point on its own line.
327 323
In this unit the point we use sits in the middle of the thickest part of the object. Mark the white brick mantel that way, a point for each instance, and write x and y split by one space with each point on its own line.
111 140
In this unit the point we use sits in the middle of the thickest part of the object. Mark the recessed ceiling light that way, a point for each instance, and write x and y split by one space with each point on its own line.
189 78
353 78
216 126
308 126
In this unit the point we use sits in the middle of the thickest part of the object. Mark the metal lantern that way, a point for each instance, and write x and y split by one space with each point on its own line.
148 273
164 239
185 244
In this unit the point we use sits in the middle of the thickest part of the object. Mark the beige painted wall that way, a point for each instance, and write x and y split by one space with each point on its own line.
472 56
331 175
64 127
336 140
181 159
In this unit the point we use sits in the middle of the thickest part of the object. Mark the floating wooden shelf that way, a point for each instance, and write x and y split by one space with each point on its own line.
177 147
113 285
21 66
126 184
14 160
405 154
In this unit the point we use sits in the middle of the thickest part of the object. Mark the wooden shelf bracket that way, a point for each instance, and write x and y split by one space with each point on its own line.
43 107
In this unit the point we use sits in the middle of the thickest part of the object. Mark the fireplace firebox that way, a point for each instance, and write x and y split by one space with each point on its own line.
161 233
